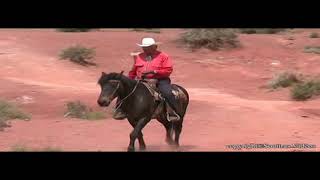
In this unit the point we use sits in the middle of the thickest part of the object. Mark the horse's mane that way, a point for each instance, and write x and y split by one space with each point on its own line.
114 76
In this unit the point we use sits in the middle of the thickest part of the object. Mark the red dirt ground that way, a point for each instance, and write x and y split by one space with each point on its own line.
228 102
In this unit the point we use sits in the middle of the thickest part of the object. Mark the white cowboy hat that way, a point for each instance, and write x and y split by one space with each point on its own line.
146 42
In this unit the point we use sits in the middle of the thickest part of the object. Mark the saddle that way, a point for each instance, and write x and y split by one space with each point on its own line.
151 85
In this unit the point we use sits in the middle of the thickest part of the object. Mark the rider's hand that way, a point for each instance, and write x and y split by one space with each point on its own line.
149 72
134 53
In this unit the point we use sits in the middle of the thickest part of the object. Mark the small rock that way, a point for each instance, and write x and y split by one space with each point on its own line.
275 62
305 116
25 99
291 38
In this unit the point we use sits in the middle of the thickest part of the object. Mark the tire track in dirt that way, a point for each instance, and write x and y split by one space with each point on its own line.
201 94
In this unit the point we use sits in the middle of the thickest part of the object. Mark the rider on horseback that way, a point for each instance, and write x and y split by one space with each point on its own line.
153 64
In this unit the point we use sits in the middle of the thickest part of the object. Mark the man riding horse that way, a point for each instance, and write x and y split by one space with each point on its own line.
153 64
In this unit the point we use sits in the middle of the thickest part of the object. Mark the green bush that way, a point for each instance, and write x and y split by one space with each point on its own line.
50 149
9 111
261 30
79 54
19 148
314 35
284 79
152 30
213 39
74 29
95 115
23 148
306 90
81 111
312 49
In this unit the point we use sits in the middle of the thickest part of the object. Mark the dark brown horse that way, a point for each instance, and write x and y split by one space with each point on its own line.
141 106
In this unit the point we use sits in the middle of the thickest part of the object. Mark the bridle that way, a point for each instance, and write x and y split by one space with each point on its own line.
122 100
118 85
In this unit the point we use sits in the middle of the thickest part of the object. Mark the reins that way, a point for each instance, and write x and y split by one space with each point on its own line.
118 105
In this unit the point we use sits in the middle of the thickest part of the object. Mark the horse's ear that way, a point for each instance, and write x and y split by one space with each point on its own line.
103 73
120 74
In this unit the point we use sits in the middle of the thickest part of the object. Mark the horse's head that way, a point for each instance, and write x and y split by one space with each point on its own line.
110 85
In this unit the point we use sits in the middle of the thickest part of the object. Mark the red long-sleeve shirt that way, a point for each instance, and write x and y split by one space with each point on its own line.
161 63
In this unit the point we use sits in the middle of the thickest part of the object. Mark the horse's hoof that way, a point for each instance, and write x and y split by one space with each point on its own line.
170 142
143 148
176 145
130 149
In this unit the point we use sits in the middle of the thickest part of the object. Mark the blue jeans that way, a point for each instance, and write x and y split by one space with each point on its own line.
164 85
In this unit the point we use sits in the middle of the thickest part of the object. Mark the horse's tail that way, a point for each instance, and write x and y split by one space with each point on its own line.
172 128
186 102
185 92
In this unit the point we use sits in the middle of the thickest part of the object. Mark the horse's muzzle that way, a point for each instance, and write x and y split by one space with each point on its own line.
104 103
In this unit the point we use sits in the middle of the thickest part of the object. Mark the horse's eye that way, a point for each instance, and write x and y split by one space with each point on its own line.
113 83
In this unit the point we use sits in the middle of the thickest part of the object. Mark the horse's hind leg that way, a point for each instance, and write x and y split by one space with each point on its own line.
169 130
169 134
177 129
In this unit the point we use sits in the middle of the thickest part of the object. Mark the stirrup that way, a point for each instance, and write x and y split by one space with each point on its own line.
176 115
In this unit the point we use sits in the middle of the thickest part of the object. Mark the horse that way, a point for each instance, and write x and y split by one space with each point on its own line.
141 106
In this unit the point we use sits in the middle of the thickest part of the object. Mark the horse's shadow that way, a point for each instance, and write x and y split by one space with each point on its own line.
161 148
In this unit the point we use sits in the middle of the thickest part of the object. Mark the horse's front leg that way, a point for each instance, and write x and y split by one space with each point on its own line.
137 132
142 144
140 136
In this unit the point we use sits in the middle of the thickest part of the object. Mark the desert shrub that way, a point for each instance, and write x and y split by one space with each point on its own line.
213 39
261 30
23 148
79 110
19 148
9 111
74 29
152 30
312 49
305 90
284 79
314 35
79 54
